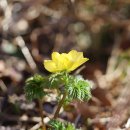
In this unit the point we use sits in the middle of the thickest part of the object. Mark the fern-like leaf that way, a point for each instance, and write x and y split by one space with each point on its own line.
78 88
58 125
34 87
58 79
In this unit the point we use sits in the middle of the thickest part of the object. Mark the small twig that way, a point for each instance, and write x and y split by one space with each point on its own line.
79 70
59 106
21 43
41 114
72 7
77 120
36 126
3 86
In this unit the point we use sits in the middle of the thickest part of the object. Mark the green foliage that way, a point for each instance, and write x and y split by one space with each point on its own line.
34 87
75 87
55 80
78 88
58 80
57 125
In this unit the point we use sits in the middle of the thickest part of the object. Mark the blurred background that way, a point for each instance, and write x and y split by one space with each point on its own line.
30 30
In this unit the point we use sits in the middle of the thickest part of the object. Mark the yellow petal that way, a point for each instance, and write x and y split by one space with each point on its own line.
55 56
64 61
78 63
59 59
74 55
50 66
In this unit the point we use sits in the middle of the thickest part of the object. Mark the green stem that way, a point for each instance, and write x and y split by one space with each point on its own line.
59 106
41 114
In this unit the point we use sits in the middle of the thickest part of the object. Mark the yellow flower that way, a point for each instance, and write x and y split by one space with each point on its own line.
65 61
